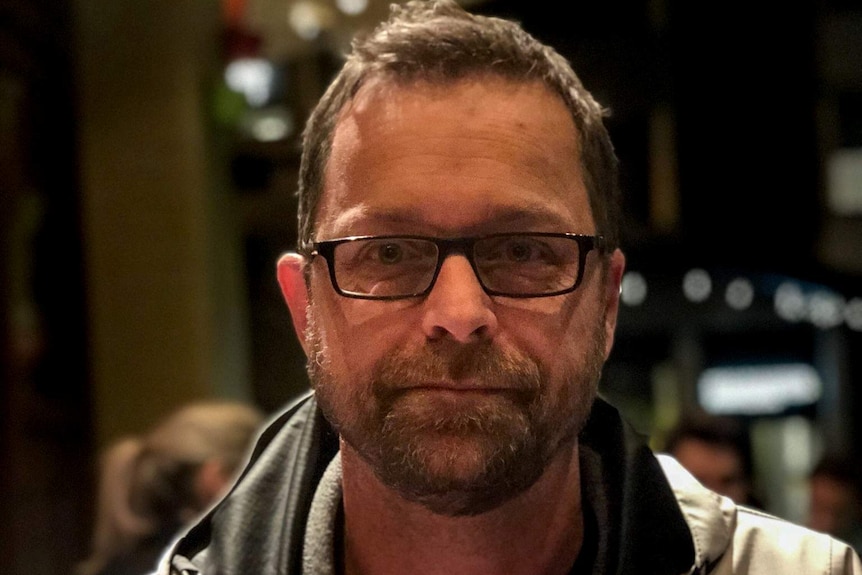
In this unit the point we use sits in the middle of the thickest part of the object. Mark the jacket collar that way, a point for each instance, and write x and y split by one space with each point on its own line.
710 517
640 527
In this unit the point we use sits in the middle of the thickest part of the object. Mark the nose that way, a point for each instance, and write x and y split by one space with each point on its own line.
457 306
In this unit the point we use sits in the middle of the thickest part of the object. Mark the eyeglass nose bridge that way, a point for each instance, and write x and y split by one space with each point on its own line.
449 246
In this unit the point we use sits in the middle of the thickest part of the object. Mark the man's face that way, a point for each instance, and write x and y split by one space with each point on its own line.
457 400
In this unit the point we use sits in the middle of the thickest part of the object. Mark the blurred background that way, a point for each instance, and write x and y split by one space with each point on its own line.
148 163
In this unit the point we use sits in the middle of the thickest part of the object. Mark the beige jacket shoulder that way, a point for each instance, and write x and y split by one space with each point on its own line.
735 540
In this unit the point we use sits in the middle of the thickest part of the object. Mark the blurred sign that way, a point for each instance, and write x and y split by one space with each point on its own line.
768 389
844 182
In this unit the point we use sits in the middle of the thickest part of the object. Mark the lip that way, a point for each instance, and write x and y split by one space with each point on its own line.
458 387
454 394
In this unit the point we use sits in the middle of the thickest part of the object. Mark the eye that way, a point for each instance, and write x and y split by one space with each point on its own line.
390 253
503 250
519 251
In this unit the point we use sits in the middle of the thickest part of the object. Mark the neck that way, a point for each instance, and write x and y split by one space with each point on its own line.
538 532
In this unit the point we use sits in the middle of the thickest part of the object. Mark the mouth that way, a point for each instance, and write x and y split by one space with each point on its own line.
465 386
457 393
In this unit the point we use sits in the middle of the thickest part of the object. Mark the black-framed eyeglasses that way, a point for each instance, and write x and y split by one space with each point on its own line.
516 265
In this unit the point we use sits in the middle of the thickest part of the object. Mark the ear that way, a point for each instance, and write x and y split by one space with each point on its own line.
613 285
291 278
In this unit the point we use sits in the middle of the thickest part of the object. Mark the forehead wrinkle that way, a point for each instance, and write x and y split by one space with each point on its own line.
339 210
367 220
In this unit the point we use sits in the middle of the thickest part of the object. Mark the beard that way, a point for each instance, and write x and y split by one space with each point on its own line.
466 452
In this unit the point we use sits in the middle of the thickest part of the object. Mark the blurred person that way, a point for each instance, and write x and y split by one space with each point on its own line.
717 451
456 289
150 487
835 505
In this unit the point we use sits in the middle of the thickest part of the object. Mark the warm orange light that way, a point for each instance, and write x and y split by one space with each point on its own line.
233 11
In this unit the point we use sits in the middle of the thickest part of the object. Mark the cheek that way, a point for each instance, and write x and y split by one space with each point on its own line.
558 332
355 314
353 334
546 308
545 322
370 316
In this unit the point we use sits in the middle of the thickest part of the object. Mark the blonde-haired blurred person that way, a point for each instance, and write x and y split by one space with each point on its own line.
152 486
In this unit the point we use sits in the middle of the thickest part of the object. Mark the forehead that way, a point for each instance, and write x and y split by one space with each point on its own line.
451 157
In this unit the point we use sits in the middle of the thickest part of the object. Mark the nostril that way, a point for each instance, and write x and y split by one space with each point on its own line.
466 319
438 332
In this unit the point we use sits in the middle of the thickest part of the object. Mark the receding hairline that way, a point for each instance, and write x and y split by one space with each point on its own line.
441 87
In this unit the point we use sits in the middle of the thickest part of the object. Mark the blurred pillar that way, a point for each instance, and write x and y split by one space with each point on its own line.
836 408
688 355
166 308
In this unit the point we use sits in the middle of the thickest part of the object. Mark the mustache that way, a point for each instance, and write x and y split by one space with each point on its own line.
484 363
